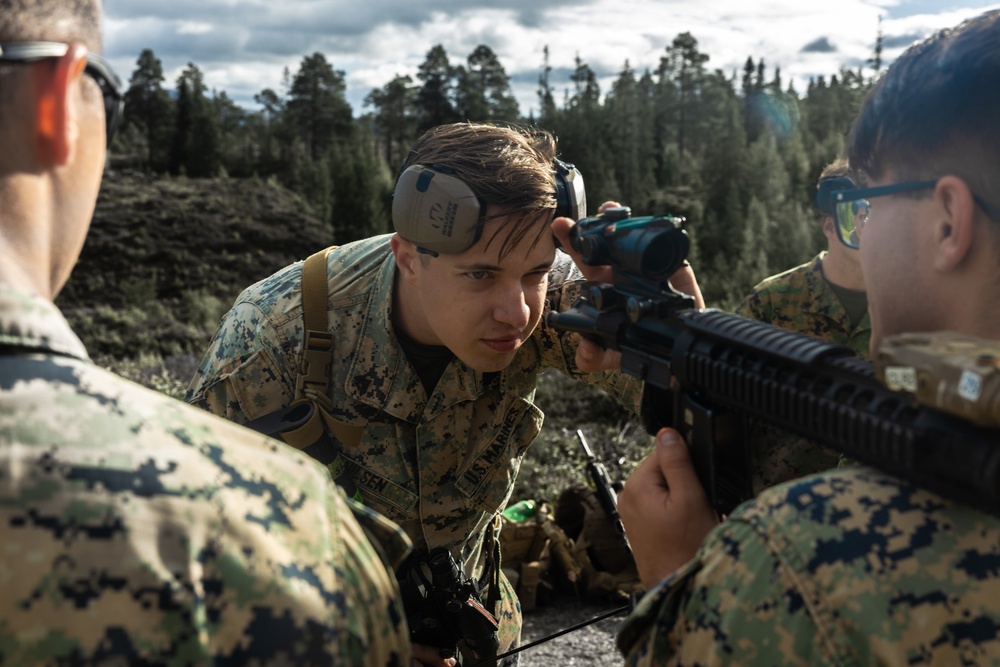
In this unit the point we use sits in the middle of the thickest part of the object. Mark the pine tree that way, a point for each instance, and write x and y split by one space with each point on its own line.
148 109
685 65
546 100
629 116
235 146
196 145
317 109
205 154
582 134
875 62
395 117
483 92
361 189
434 98
272 113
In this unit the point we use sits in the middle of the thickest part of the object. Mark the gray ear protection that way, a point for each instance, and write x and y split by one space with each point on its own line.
571 198
823 193
436 211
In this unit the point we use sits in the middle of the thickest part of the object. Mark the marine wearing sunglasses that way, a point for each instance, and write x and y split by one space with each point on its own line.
97 68
851 207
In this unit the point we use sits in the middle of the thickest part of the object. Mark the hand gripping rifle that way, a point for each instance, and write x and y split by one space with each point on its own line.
927 411
443 609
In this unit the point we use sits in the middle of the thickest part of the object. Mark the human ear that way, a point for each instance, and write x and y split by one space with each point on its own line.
56 105
829 231
407 259
954 229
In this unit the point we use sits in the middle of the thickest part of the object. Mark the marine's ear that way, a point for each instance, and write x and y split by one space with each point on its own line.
55 105
954 226
406 256
830 229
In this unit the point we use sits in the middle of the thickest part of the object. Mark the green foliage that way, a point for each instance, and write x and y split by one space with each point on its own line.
196 150
483 90
435 97
149 370
123 332
681 139
166 256
317 111
395 117
556 461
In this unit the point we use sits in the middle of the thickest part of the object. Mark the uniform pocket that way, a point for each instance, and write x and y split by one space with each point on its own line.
256 385
489 480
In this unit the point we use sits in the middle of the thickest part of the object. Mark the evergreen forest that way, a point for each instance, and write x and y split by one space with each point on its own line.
734 153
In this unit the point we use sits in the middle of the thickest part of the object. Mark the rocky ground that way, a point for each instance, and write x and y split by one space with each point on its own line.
589 646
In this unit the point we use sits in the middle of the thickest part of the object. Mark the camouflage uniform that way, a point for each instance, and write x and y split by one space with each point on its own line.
849 567
138 530
441 466
800 300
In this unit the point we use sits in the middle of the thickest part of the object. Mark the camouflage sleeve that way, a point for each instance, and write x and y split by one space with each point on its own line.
151 533
558 348
754 307
854 567
778 455
244 373
734 603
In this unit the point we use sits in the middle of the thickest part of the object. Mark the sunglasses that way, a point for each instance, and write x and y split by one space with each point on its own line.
96 68
851 207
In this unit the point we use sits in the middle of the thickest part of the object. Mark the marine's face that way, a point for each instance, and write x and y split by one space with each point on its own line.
482 307
896 259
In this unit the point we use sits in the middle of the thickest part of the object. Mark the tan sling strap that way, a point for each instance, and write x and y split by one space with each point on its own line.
313 380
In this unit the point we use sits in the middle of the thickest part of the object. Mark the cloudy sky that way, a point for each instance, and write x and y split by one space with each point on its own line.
242 46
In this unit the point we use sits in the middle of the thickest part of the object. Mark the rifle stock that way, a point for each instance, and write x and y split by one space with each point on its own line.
708 372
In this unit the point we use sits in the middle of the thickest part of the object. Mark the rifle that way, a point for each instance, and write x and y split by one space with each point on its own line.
443 609
602 486
927 412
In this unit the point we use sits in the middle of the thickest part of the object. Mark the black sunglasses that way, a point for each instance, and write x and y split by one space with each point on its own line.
851 207
97 68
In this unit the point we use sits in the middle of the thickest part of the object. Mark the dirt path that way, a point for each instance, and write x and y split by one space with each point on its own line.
592 645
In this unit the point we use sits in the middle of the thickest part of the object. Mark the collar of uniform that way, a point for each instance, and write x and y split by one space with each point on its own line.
30 322
381 376
827 303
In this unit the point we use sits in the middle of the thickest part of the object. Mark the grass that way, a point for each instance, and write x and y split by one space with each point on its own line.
556 460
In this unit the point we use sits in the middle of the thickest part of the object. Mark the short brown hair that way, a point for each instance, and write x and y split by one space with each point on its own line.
838 167
508 167
934 112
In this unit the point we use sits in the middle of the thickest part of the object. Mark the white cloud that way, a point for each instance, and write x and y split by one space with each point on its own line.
243 45
194 28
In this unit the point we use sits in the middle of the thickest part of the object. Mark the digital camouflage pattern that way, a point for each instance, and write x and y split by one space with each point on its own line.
441 466
137 530
800 300
848 567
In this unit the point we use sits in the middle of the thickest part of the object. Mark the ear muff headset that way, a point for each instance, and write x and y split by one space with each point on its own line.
571 197
436 211
822 198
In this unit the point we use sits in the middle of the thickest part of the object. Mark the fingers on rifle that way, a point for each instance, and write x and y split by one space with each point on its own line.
675 464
